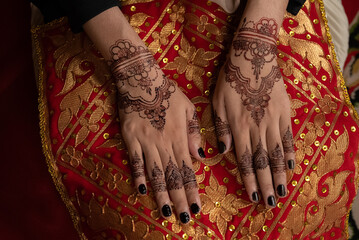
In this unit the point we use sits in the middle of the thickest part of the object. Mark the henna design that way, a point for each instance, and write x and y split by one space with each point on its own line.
257 43
260 157
189 177
137 166
287 142
246 163
135 69
157 180
277 163
222 127
173 176
193 124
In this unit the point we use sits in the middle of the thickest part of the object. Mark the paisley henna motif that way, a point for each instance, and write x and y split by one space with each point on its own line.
222 127
260 157
157 180
193 124
137 166
287 142
277 160
173 176
189 177
246 163
141 85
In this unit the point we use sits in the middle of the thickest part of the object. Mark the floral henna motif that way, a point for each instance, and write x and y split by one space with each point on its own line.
173 176
260 157
157 180
277 160
257 43
141 85
246 163
137 166
287 142
222 127
193 124
189 177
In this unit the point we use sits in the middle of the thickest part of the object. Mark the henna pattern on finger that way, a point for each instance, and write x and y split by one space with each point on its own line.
256 43
287 141
189 177
222 127
137 166
260 157
246 167
173 176
141 85
193 124
277 163
157 180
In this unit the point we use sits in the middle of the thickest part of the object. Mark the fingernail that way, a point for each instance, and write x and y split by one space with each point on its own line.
271 201
201 153
184 217
221 147
255 197
195 208
142 189
281 190
166 211
291 164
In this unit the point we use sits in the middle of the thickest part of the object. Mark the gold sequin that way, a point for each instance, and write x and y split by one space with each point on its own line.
105 94
336 132
106 135
208 34
198 109
206 168
209 234
175 76
345 113
128 180
293 203
168 236
294 183
302 135
296 81
174 31
160 50
124 162
239 192
302 69
324 190
215 20
165 223
165 60
309 37
206 92
211 46
223 163
312 96
189 86
291 33
315 21
325 148
250 218
315 209
280 55
306 110
298 95
198 216
296 121
301 190
317 143
133 8
209 74
327 123
185 236
290 21
209 3
95 90
147 24
353 129
317 110
202 186
265 228
203 130
176 47
314 167
279 204
169 10
225 180
324 78
210 150
193 39
306 161
232 228
307 178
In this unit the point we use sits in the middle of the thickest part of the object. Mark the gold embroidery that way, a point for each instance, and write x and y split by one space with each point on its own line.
161 38
117 142
326 104
136 20
219 205
191 61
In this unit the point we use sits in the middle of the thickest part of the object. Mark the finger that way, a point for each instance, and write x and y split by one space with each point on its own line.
223 131
245 163
277 163
288 146
176 191
188 177
137 167
261 166
157 179
194 135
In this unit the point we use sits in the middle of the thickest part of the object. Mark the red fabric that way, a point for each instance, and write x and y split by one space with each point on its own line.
30 207
351 8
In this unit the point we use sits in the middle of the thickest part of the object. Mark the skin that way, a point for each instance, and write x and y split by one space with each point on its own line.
258 109
154 115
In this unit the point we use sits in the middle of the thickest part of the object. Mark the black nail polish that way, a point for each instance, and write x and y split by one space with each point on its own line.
166 211
271 201
221 147
184 217
195 208
201 153
142 189
255 197
281 190
291 164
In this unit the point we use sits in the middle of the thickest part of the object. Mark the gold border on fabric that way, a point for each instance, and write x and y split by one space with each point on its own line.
44 126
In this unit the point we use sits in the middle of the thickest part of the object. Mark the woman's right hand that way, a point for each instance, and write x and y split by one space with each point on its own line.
158 122
160 128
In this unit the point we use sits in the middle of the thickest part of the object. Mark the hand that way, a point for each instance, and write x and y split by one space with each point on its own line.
160 127
251 105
